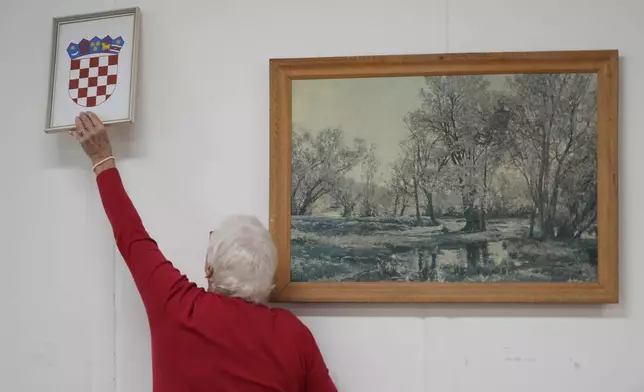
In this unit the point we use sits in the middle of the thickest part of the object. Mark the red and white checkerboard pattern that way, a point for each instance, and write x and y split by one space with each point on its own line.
93 80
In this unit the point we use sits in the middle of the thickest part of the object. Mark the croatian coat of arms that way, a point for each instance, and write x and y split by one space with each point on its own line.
93 70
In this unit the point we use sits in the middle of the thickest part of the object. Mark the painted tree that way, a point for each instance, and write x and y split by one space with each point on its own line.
507 194
553 145
428 155
346 193
369 168
461 111
491 140
319 163
400 184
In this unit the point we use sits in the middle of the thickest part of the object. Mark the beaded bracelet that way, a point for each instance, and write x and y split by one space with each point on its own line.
102 162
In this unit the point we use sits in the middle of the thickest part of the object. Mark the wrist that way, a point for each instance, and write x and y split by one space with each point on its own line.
100 165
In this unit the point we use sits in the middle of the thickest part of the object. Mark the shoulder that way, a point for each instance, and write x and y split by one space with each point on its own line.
286 316
288 321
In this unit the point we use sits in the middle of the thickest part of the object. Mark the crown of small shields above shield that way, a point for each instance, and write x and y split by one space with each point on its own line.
106 45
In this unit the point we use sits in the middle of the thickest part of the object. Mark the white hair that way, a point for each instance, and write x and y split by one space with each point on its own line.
243 257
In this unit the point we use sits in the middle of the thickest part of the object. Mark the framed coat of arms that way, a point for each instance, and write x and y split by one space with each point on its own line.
93 67
475 177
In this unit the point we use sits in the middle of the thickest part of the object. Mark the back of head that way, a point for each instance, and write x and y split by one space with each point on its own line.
242 258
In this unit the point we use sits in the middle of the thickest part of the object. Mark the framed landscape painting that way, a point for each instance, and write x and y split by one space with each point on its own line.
486 177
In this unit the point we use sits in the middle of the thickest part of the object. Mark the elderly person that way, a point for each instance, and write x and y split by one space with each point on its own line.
224 338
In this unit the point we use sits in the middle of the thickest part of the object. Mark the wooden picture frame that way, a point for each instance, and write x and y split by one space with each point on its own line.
93 67
602 63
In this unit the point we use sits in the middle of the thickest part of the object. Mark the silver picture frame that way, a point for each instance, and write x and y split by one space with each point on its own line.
57 23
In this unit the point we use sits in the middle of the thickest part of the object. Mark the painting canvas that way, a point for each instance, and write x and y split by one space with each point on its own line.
474 180
94 62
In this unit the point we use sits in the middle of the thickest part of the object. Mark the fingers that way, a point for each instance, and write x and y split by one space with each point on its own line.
87 122
79 123
95 120
78 132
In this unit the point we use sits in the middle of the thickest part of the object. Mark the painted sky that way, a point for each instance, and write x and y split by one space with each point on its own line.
369 108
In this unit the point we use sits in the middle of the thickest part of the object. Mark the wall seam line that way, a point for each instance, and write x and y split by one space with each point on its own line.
114 322
114 327
447 26
425 364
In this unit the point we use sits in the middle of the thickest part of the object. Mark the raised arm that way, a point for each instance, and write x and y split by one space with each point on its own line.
164 290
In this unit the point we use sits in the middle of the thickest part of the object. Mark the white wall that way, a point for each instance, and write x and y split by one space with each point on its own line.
203 91
56 290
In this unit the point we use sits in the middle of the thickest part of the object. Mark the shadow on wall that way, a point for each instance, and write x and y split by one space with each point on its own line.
458 310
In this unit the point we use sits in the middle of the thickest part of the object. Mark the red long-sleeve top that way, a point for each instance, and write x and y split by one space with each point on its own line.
206 342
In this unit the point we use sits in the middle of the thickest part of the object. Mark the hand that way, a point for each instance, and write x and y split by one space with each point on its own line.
91 134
